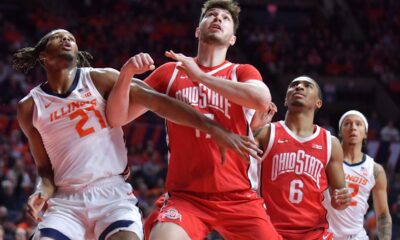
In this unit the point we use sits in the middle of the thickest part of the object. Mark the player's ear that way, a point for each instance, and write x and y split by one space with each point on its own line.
318 104
232 41
197 32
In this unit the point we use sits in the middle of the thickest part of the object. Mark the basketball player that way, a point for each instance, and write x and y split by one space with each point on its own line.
301 160
363 176
76 150
208 195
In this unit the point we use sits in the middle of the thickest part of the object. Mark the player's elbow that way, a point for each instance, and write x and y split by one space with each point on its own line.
112 119
262 103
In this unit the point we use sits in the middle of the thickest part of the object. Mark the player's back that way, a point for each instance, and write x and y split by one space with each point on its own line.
293 179
82 147
360 181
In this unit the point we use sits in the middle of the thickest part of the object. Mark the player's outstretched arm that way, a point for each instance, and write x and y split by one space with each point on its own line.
121 108
139 97
379 196
252 94
183 114
334 171
46 186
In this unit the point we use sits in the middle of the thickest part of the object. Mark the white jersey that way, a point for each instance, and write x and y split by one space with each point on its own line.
360 181
80 143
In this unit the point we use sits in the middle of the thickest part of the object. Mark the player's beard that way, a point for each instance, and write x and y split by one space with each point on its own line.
213 39
67 56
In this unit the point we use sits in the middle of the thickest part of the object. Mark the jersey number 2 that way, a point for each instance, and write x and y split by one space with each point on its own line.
84 118
355 188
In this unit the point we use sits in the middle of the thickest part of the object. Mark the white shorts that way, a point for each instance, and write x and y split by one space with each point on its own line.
94 212
359 236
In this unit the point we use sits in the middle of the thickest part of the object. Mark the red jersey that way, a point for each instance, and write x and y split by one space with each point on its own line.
195 159
293 179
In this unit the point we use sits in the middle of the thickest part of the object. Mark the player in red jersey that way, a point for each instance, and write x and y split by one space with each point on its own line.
300 161
79 156
204 194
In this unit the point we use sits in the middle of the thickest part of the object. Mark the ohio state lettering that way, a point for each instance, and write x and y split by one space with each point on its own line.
298 162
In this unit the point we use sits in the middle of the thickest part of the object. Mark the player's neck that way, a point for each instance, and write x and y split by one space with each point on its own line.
301 124
352 153
211 55
59 81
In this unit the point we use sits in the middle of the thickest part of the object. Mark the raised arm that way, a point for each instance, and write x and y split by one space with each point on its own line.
46 186
123 108
335 174
140 97
252 94
379 195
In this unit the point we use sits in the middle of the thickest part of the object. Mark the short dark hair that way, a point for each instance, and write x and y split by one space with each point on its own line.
316 84
231 6
26 58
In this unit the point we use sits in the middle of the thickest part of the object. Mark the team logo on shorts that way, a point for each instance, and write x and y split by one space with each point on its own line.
172 213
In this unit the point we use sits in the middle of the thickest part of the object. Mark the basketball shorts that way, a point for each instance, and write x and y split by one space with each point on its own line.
235 215
94 212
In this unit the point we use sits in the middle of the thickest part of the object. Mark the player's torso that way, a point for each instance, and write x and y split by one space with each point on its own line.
293 177
81 145
360 181
198 151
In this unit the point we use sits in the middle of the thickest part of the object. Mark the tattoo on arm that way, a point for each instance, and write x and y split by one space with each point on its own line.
377 171
384 226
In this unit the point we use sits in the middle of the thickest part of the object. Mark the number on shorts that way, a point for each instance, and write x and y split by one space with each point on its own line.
84 117
355 188
296 195
210 116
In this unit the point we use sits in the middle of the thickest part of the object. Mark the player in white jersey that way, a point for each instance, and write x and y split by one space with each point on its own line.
363 176
79 157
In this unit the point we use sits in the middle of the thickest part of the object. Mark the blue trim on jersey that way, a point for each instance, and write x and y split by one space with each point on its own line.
46 89
113 226
363 159
52 233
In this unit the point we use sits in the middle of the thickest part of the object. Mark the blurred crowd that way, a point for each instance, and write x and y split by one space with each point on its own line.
277 42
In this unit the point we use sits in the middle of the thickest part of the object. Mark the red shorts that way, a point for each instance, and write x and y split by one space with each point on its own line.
235 215
319 234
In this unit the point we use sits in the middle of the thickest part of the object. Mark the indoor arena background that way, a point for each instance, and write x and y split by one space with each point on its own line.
351 47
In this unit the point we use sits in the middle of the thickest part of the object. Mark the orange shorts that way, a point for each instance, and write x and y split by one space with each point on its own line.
235 215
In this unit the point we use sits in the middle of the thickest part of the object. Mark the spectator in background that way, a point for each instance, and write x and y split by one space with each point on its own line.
389 132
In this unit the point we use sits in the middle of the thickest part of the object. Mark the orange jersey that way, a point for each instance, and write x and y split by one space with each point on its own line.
195 159
293 179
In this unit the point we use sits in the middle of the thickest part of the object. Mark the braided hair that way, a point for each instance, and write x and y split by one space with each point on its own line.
26 58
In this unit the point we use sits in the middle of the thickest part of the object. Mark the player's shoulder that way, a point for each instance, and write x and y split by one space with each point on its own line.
378 170
25 101
168 66
245 67
102 72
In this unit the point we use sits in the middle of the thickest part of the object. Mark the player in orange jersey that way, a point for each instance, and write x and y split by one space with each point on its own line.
363 177
79 156
208 195
301 160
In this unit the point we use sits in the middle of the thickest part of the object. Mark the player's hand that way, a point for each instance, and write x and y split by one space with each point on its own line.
262 118
188 65
138 64
341 198
242 145
36 204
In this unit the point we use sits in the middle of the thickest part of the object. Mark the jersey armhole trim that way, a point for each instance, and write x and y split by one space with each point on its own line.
173 77
271 139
